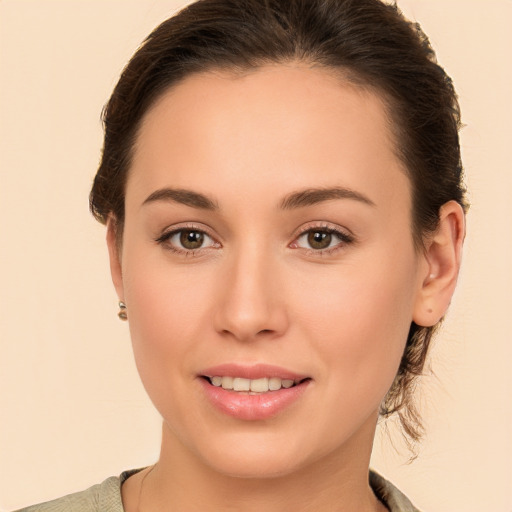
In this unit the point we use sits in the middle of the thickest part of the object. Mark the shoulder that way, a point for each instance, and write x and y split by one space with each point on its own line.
393 498
102 497
106 496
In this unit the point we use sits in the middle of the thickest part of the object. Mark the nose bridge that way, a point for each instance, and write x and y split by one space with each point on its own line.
251 303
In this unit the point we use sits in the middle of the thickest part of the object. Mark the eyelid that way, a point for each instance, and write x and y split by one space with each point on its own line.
323 225
344 234
170 231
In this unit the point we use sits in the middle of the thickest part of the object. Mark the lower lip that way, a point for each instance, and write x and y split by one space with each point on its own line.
253 407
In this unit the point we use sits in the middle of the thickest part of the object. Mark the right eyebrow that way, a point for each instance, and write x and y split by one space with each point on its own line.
182 196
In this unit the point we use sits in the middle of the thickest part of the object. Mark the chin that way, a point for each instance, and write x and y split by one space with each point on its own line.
257 456
260 467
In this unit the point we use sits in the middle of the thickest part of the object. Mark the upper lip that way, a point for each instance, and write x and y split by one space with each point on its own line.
255 371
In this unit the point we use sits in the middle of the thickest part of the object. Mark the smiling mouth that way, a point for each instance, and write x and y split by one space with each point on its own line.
252 386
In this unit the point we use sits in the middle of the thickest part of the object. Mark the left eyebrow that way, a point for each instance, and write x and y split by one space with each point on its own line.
311 196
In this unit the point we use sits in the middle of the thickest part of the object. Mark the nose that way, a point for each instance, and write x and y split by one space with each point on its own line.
251 301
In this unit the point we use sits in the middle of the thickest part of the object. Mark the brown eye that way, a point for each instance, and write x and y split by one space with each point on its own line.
319 239
322 239
190 239
186 240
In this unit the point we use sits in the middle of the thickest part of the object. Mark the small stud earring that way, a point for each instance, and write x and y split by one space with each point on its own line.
123 314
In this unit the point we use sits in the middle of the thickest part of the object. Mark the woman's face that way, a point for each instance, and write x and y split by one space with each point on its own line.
268 236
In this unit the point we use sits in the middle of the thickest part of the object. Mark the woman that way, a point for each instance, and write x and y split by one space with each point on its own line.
282 189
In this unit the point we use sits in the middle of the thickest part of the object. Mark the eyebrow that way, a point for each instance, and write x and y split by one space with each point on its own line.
313 196
182 196
299 199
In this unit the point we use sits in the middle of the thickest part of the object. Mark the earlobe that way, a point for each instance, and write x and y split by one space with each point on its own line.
114 252
443 255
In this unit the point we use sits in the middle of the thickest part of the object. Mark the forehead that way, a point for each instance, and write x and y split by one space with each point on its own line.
284 125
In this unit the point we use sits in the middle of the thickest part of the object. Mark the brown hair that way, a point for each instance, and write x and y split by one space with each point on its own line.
369 42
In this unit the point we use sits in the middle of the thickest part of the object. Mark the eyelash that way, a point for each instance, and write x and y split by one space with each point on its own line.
343 237
165 237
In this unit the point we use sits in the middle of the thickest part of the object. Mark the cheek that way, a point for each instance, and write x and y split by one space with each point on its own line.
359 318
167 311
166 306
165 320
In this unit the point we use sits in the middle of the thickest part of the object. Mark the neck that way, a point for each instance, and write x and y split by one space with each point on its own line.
182 482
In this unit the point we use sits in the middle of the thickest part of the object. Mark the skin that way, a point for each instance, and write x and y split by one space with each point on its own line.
256 291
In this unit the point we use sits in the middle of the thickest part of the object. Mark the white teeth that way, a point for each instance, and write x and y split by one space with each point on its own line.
259 385
240 384
227 382
274 383
253 385
216 381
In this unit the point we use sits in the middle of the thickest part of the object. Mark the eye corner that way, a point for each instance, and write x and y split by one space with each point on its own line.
329 239
174 239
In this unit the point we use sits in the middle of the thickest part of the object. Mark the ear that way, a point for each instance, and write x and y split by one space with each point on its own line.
442 257
114 252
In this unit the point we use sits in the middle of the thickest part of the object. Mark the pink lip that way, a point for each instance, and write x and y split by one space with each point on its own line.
257 371
260 406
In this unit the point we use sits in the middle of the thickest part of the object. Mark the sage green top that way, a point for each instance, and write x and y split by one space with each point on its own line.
106 497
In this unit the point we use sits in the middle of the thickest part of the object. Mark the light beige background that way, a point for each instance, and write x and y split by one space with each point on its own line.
72 411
